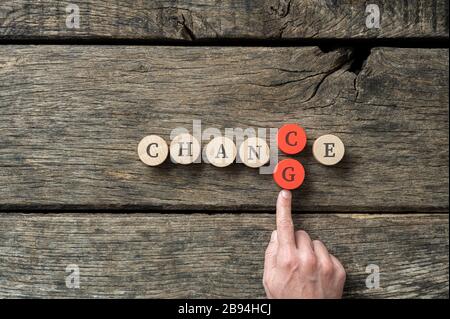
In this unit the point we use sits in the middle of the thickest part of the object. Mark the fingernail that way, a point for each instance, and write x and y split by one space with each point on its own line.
273 236
286 194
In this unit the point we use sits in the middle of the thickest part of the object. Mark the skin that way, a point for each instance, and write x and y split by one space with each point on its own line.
297 267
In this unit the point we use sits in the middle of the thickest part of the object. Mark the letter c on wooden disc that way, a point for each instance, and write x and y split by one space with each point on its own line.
153 150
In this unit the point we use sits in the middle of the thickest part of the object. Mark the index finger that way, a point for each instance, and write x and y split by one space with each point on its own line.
285 225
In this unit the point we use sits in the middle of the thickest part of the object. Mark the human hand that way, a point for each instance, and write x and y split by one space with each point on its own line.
296 267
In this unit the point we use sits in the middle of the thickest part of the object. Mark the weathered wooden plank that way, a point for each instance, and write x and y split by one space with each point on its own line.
218 256
72 117
208 19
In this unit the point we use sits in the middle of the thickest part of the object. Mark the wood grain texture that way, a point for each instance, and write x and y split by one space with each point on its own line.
210 19
72 117
213 256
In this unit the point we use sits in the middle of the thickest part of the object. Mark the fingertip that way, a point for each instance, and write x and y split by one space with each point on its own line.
284 203
284 198
286 194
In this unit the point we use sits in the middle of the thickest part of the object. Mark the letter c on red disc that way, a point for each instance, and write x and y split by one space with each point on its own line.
291 139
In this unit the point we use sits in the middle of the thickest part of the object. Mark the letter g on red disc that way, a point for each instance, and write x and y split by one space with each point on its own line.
289 174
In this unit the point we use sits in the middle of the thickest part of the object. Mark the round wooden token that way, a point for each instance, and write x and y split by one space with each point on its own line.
289 174
184 149
328 149
291 139
221 151
153 150
254 152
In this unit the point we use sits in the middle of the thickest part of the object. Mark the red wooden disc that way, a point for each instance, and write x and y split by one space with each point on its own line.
291 139
289 174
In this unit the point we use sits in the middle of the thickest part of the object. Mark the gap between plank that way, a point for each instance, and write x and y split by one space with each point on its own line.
142 210
325 44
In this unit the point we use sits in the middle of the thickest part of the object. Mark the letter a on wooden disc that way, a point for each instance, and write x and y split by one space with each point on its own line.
153 150
184 149
221 151
328 149
254 152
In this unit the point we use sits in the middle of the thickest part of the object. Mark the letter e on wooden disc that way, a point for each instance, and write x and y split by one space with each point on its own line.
254 152
153 150
328 149
221 151
184 149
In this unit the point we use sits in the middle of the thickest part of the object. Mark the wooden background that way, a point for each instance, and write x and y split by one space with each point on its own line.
75 103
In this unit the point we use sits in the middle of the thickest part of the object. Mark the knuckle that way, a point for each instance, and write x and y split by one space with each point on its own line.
339 268
317 242
292 264
289 261
341 273
309 261
327 268
303 233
